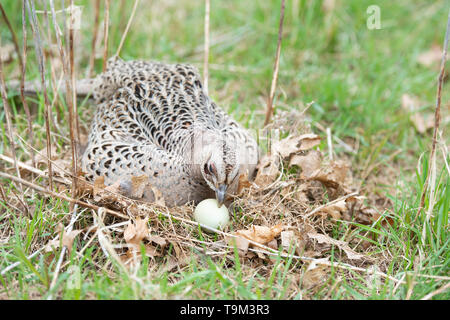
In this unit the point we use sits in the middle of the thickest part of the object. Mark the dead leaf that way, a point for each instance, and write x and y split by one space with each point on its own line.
268 165
332 175
107 194
135 233
335 210
342 245
316 274
67 241
159 198
287 240
260 234
243 182
328 6
157 239
267 170
310 163
7 52
431 57
294 144
240 242
138 185
421 120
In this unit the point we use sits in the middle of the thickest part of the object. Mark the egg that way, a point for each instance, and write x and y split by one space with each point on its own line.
208 213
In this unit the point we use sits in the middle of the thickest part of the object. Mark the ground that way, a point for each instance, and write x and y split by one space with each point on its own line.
355 80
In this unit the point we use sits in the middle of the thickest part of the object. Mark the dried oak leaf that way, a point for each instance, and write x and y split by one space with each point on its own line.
7 52
268 169
157 239
310 163
138 185
335 210
332 175
422 121
67 241
243 182
106 194
431 57
260 234
294 144
342 245
316 274
135 233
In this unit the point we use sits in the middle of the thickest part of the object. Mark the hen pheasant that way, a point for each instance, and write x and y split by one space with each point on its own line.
156 120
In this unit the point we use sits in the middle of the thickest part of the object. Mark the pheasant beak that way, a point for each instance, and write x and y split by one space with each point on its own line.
221 191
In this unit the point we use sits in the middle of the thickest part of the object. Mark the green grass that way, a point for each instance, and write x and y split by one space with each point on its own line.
355 77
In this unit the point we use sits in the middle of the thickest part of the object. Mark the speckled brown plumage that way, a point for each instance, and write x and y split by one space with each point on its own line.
156 120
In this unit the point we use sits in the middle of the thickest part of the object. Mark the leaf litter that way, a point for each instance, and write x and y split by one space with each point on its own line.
296 199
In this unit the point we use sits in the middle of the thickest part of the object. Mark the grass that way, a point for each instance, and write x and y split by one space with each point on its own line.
356 78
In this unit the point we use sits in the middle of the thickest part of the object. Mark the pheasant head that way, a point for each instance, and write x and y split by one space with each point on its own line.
217 160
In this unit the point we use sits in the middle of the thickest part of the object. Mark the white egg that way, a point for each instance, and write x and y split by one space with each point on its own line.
208 213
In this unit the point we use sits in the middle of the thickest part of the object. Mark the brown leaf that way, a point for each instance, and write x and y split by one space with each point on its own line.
150 251
422 121
157 239
68 238
7 52
268 165
287 240
159 198
106 194
335 210
294 144
267 170
67 241
316 274
431 57
243 182
138 185
322 238
240 242
310 163
260 234
328 6
332 175
135 233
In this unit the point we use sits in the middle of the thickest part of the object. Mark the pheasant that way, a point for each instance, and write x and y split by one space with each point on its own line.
156 120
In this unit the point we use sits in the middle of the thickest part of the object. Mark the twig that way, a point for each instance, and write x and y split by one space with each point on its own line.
269 110
22 81
40 57
7 111
63 252
32 88
33 170
105 35
69 98
13 35
124 35
206 48
60 196
94 38
75 137
330 144
437 119
354 194
15 264
440 290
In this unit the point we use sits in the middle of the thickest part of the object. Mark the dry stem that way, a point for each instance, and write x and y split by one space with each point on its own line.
269 110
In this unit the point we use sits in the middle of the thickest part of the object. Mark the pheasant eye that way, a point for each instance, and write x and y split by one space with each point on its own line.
206 168
209 168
